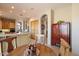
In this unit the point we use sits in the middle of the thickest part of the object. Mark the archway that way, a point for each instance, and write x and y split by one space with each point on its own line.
44 27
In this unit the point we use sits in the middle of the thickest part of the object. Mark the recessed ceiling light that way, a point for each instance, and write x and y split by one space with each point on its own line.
12 7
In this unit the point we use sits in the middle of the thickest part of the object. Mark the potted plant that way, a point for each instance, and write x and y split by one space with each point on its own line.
60 21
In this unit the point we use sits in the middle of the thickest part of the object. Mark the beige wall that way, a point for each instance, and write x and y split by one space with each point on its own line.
75 28
63 13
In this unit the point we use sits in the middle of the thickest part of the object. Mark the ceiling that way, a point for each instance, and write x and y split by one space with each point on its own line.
26 10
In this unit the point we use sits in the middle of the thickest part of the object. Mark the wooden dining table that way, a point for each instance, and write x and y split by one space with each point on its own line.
43 50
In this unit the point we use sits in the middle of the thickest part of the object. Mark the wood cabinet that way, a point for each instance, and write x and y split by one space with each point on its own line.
65 32
7 23
55 34
59 31
0 24
12 24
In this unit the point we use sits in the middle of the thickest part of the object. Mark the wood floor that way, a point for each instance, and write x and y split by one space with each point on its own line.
44 51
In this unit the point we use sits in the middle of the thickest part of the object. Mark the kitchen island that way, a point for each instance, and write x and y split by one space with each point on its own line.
11 34
18 39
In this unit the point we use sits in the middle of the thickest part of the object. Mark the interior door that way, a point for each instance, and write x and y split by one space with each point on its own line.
34 26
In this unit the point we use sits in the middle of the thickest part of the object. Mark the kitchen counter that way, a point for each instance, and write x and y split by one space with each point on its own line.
11 34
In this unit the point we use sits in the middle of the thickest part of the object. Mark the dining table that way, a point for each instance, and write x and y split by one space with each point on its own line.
43 50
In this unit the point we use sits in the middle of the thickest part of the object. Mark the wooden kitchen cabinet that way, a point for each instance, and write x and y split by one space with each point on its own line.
0 24
12 24
7 23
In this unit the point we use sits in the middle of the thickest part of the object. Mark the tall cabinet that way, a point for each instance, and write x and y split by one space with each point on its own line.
55 37
61 30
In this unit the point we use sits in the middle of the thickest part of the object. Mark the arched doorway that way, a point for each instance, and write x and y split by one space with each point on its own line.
44 27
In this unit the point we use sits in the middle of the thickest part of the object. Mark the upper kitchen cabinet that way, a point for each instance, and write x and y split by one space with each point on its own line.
7 23
0 24
12 24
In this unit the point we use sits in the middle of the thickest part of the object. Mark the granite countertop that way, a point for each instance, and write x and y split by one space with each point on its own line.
12 34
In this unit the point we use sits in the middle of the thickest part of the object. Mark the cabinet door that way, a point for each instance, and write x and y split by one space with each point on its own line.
12 24
5 24
65 32
0 24
55 34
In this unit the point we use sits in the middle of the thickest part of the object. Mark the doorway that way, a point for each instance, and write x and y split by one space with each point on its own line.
34 27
